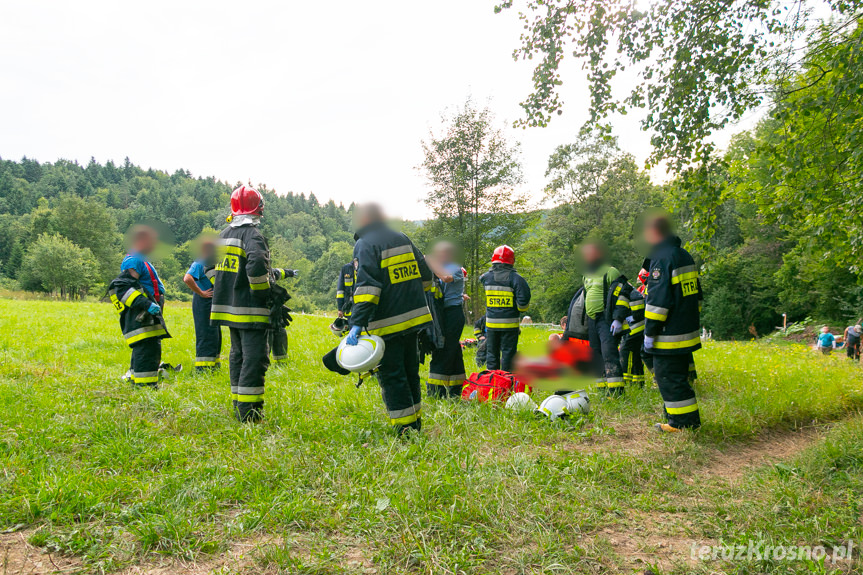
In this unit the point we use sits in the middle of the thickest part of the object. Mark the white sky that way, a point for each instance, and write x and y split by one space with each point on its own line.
332 98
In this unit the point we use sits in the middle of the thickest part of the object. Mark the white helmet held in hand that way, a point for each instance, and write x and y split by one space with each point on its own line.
520 402
553 407
363 357
577 402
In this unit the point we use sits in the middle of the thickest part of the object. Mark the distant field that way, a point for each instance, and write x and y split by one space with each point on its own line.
98 477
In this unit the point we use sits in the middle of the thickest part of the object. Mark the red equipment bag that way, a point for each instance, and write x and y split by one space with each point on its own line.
495 385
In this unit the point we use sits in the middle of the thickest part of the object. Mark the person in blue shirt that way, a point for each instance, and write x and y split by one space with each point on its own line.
446 370
208 338
826 341
144 331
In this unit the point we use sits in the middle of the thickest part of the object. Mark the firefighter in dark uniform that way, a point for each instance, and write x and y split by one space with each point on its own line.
138 295
241 297
603 284
633 338
345 289
507 296
672 327
389 301
278 336
208 338
446 369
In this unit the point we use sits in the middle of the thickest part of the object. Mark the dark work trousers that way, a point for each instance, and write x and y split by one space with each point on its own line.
278 338
249 360
208 338
674 376
647 359
633 367
480 351
399 378
146 358
500 348
606 357
446 369
853 350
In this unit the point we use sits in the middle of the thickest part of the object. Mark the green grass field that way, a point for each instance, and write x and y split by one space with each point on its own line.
96 476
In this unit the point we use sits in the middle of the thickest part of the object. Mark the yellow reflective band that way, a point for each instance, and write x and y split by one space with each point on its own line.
636 306
145 379
614 384
498 292
340 296
656 316
247 398
393 260
234 250
133 297
401 326
366 298
490 325
349 283
682 410
146 335
523 308
259 287
687 276
636 330
676 344
240 318
623 303
405 420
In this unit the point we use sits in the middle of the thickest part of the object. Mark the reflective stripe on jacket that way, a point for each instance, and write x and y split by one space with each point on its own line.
241 289
391 279
507 296
673 300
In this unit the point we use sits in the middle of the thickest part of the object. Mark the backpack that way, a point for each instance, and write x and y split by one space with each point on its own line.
495 385
576 318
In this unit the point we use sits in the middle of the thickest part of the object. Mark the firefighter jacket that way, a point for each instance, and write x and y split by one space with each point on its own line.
673 300
392 277
507 296
345 289
479 327
241 290
132 302
633 335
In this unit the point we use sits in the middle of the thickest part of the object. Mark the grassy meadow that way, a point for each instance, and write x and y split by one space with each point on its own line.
98 477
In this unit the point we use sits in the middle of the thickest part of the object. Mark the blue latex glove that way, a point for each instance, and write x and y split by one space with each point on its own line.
154 309
353 335
630 320
616 327
648 343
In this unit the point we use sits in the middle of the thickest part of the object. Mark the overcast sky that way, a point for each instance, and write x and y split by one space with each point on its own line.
304 98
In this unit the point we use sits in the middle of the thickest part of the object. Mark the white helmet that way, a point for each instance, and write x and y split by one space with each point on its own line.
520 401
553 407
577 402
363 357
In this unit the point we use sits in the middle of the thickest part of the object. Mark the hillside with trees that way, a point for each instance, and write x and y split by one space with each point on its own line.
62 226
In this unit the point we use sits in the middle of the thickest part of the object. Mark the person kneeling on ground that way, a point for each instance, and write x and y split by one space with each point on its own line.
826 341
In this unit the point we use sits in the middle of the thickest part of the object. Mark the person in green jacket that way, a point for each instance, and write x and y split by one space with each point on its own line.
604 331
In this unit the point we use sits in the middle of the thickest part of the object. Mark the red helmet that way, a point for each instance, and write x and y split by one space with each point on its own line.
245 201
503 255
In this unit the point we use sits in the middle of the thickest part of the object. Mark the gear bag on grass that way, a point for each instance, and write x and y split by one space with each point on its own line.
492 385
